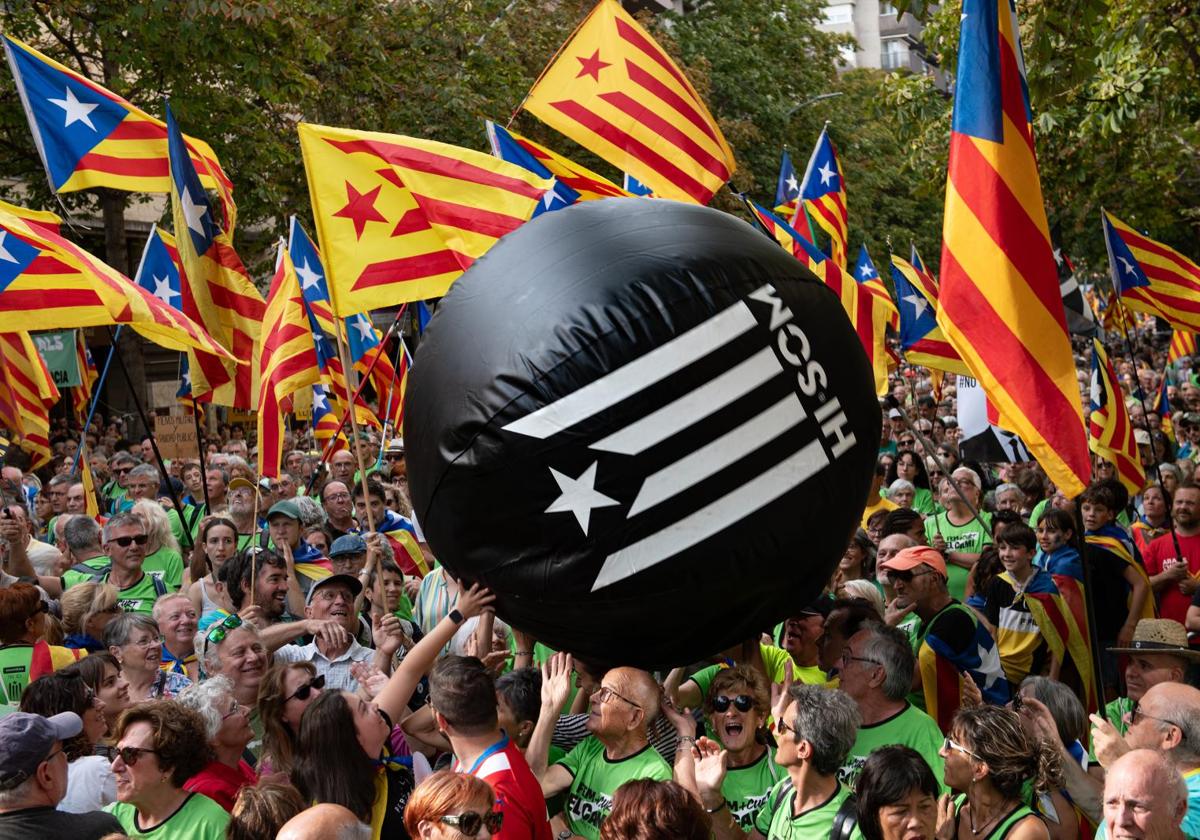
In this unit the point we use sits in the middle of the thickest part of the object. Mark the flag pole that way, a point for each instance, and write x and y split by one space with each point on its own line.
1090 609
200 451
339 329
387 417
96 396
928 446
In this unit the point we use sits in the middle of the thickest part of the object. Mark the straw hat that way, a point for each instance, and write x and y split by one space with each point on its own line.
1159 635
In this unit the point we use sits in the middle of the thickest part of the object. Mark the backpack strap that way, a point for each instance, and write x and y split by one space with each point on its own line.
160 585
95 574
845 820
781 794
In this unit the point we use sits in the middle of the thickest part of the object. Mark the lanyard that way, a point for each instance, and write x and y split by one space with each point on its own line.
488 753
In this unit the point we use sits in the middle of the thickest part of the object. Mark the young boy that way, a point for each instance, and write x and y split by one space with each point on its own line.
1057 553
1017 604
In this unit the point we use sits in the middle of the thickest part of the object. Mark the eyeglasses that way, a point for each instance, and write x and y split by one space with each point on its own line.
847 658
469 822
146 644
125 542
394 457
121 470
338 497
1137 714
132 755
604 694
217 634
52 755
781 728
303 691
905 575
233 710
950 744
743 703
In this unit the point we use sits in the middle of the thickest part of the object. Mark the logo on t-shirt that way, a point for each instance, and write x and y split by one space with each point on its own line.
588 806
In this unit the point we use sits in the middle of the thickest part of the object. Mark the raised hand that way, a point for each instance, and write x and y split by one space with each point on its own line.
712 762
781 694
473 601
556 681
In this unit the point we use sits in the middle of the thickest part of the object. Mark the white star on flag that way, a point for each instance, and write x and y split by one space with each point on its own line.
826 173
364 327
579 496
793 185
308 277
163 290
186 381
319 400
865 271
76 111
551 195
918 304
194 213
5 254
1129 269
1058 256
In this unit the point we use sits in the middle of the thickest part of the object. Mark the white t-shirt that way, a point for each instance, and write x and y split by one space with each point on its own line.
90 785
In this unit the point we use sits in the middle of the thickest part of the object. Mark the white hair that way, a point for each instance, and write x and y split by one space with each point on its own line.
202 697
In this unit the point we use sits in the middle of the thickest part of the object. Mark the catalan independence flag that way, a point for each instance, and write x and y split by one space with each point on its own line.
925 281
1183 344
399 218
289 361
614 91
1152 277
325 422
999 304
787 188
368 353
47 282
217 292
572 182
27 393
876 312
921 339
1162 407
944 663
1110 434
823 192
89 137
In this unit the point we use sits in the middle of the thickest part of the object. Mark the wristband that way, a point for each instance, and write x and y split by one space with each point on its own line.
565 834
724 804
455 616
683 739
523 653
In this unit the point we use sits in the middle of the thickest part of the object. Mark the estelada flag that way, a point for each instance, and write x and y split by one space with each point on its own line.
400 218
47 282
27 393
573 182
1110 434
89 137
1152 277
921 338
787 187
614 91
823 192
999 304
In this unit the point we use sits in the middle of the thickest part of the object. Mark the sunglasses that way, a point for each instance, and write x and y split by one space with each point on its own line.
217 634
743 703
302 693
905 575
131 755
469 822
950 744
125 542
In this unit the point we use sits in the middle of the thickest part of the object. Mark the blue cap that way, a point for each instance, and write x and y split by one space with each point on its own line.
348 544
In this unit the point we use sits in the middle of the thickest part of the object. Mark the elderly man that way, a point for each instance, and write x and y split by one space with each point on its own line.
339 508
217 481
951 634
241 496
33 780
76 497
125 544
1144 797
341 467
814 734
616 751
1159 653
877 673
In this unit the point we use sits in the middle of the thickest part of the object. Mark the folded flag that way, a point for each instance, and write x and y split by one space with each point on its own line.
921 338
368 353
875 313
399 218
89 137
572 182
787 188
1110 434
1162 407
1152 277
823 191
614 91
325 422
27 393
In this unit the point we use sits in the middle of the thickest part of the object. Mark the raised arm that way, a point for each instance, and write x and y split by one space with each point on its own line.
556 685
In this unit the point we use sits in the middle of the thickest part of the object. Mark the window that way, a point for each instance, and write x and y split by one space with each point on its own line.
843 13
894 54
886 9
848 56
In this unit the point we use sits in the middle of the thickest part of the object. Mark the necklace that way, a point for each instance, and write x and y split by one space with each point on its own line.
971 818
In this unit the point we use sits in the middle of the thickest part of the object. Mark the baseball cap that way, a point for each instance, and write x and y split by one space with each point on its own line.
894 414
822 606
286 508
348 544
349 580
1141 436
917 555
26 741
395 445
240 482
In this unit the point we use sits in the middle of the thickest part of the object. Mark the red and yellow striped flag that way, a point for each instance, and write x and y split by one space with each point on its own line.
49 283
582 180
823 191
399 219
999 303
289 361
1110 434
27 393
1152 277
614 91
1182 344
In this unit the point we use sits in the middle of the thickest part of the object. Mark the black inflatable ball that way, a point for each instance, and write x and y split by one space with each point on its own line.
645 426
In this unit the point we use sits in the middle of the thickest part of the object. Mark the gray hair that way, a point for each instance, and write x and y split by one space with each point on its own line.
202 697
1187 717
236 461
122 520
145 471
123 457
1164 777
969 474
81 533
1070 718
829 720
208 653
118 631
14 798
1172 469
311 512
901 484
1008 488
894 652
60 480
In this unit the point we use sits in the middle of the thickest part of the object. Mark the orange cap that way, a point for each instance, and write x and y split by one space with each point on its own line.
917 555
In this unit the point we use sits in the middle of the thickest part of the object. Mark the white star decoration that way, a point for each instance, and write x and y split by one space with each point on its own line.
792 184
864 271
1129 269
163 290
826 174
579 496
1058 256
308 277
364 328
918 303
76 111
319 400
5 254
551 195
194 213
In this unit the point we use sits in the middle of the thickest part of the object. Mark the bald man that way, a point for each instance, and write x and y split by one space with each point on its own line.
1144 798
616 751
324 822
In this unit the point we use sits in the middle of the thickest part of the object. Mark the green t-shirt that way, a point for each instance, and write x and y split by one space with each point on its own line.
968 539
775 821
176 525
198 818
910 727
1115 712
923 502
775 661
595 779
71 577
168 563
1036 513
746 787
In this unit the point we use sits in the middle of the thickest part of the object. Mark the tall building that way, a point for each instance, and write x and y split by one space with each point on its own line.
883 40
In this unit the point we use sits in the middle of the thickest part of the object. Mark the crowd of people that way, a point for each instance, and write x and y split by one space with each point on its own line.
219 654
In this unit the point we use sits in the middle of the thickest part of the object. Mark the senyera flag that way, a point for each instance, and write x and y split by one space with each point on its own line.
400 218
27 393
1110 434
1183 345
1152 277
999 303
615 92
89 137
47 282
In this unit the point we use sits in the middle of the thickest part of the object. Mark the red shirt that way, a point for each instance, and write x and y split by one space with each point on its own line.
518 793
221 783
1172 603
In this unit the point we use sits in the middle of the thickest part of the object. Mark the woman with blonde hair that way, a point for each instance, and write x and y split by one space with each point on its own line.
162 549
86 610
